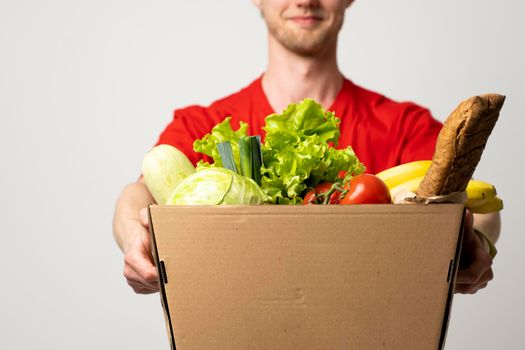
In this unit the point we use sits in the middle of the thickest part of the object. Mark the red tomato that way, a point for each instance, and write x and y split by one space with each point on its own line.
310 198
316 196
366 189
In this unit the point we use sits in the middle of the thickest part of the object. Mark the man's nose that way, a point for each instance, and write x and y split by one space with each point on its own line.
307 3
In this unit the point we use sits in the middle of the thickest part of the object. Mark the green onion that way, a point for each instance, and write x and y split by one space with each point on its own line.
226 153
257 161
245 154
251 157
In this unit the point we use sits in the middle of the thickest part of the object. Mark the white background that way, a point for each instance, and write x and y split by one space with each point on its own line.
87 86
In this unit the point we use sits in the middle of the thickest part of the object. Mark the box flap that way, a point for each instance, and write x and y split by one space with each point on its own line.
306 277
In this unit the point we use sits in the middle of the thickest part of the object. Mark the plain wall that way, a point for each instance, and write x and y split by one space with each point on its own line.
87 86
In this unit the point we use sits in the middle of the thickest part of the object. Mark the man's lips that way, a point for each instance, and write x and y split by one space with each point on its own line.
306 21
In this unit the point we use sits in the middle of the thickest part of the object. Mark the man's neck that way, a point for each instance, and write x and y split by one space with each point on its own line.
290 78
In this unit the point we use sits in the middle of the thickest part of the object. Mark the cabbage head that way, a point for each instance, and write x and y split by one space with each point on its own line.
215 186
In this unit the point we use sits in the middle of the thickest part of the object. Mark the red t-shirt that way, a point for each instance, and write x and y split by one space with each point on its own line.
382 132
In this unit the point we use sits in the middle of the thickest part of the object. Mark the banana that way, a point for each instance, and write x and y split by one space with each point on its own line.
411 185
397 175
479 192
490 206
481 195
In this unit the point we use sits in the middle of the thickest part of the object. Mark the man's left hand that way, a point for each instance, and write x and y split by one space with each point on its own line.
475 263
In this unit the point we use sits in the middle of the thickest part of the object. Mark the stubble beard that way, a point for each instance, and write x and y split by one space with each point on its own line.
305 43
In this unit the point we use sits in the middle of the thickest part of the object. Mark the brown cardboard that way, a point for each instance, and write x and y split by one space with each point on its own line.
307 277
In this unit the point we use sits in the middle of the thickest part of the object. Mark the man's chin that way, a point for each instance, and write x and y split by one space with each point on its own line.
308 47
306 51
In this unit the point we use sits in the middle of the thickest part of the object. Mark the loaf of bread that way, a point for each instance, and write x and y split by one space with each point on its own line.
460 144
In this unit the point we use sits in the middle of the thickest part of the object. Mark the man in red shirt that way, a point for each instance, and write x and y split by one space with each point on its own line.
383 133
302 39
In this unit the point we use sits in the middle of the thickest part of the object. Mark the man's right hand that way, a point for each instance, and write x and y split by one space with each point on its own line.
139 269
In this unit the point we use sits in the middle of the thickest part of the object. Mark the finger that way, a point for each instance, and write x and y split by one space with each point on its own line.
140 258
142 265
462 288
146 274
466 288
487 277
469 288
141 289
483 285
468 223
146 245
145 238
133 277
476 262
143 216
480 264
470 243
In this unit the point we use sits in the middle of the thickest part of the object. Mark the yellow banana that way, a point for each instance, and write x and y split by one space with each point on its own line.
397 175
411 185
479 192
490 206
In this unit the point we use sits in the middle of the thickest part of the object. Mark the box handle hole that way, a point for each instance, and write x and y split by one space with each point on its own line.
164 277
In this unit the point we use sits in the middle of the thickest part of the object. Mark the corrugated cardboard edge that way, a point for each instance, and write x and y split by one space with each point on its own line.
162 279
452 284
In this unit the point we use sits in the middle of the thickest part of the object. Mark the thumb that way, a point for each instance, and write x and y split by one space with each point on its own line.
469 221
143 216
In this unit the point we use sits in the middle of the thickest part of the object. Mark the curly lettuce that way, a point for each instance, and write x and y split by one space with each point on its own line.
297 152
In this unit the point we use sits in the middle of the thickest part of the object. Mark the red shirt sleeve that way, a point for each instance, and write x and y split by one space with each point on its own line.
188 124
421 134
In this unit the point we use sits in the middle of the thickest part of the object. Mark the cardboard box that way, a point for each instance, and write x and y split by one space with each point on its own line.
307 277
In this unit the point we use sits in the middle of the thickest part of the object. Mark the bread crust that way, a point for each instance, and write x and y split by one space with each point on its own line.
460 145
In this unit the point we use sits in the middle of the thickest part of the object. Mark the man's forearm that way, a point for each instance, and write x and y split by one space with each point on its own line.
133 198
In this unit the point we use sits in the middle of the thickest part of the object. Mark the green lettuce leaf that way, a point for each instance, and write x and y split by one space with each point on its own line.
297 154
220 133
